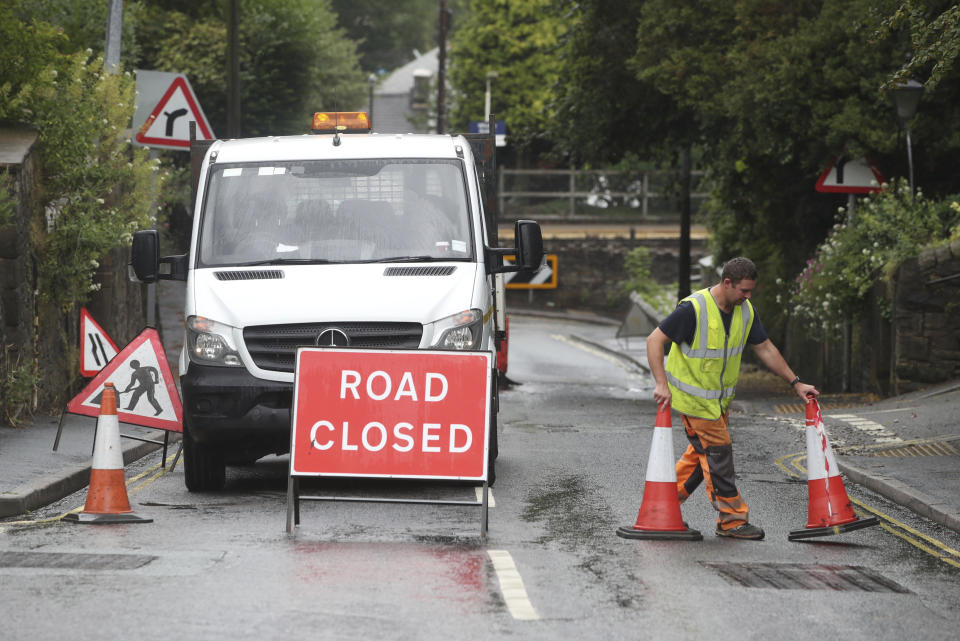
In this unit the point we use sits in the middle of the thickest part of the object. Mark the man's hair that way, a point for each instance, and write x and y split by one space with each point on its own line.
736 269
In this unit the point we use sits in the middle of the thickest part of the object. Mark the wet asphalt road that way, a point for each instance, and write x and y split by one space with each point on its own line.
574 439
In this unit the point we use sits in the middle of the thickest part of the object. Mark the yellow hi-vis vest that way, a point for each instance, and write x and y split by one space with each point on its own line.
703 376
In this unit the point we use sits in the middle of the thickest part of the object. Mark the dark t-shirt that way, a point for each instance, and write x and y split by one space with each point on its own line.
681 325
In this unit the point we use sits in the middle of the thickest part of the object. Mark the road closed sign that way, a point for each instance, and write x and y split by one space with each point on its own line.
391 413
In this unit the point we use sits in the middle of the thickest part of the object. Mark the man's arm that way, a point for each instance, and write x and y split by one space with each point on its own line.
656 347
774 360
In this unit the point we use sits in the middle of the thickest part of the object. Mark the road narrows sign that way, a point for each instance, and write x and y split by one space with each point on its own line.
146 392
167 123
96 347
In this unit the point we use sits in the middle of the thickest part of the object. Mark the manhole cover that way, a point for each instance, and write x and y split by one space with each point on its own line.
799 576
71 561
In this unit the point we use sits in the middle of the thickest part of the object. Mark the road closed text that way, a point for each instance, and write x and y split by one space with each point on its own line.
391 413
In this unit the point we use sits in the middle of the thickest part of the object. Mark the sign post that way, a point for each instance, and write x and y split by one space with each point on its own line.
399 414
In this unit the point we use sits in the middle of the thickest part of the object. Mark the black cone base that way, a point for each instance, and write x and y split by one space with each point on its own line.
830 530
105 519
627 532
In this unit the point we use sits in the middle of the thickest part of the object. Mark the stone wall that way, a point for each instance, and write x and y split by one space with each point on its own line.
926 319
17 267
589 272
35 333
913 345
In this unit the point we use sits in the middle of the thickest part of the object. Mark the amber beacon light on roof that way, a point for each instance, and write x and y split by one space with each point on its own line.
344 122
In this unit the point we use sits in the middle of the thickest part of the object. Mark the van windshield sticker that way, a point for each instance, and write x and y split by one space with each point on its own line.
232 171
272 171
460 246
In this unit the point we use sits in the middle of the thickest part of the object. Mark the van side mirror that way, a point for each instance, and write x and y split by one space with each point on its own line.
528 249
145 255
529 245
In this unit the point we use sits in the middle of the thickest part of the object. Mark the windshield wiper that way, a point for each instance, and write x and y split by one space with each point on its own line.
288 261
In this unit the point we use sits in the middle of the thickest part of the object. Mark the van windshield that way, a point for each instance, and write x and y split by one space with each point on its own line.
335 211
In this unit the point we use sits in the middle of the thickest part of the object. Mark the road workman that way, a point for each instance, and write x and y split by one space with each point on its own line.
709 330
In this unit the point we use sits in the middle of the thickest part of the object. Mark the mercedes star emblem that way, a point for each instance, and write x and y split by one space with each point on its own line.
332 337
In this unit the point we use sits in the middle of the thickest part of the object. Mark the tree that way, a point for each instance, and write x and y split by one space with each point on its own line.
778 89
605 111
387 31
520 40
294 60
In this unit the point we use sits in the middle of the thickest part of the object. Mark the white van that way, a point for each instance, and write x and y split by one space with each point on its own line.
339 238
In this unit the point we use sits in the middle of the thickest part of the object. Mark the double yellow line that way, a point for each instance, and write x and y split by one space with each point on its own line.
919 540
134 485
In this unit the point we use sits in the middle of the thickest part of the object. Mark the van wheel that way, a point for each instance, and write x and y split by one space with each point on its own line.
204 468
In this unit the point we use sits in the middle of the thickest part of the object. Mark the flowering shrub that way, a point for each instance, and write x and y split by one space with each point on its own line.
885 229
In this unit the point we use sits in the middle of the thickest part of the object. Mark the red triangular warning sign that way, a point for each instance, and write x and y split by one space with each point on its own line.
96 347
168 124
146 392
857 176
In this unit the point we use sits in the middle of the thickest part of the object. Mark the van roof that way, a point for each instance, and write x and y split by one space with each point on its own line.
320 146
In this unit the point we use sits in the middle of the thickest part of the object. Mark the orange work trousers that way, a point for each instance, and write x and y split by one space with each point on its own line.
709 457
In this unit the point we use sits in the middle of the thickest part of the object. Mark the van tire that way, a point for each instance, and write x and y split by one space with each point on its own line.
204 468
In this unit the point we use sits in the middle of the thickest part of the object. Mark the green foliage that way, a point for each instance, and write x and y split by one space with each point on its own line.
16 391
884 230
96 188
293 60
7 201
605 110
934 30
636 267
387 32
520 40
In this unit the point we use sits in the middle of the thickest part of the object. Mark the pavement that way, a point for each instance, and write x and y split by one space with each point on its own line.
912 458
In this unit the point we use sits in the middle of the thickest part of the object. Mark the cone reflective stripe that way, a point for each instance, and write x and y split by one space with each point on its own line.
107 500
829 508
659 516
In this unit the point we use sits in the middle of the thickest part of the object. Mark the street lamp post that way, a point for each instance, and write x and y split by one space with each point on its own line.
906 97
491 76
372 79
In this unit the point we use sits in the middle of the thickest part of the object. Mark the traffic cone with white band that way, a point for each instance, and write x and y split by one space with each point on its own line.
829 509
659 516
107 500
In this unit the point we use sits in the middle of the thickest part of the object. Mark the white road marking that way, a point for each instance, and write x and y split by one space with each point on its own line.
490 501
511 586
879 433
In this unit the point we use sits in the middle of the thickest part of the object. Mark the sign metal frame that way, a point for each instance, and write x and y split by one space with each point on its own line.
294 495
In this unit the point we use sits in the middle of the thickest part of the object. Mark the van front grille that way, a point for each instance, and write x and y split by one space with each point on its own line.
274 347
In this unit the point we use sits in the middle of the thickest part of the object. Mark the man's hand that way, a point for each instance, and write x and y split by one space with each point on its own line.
661 394
804 390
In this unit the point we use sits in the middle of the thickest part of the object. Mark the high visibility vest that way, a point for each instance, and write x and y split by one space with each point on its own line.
703 375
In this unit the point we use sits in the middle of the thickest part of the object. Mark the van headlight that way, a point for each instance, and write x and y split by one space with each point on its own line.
462 331
211 343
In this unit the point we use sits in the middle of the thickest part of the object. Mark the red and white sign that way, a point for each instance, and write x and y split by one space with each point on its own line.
168 125
391 413
96 347
856 176
146 392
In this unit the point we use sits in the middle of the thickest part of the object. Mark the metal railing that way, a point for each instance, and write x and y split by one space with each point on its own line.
594 192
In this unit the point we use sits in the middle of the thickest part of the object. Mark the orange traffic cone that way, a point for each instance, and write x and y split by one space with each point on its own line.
107 500
659 516
829 508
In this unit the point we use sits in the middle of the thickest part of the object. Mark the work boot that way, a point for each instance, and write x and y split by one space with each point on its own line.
742 531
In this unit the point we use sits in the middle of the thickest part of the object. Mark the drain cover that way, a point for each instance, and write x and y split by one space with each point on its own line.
799 576
71 561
